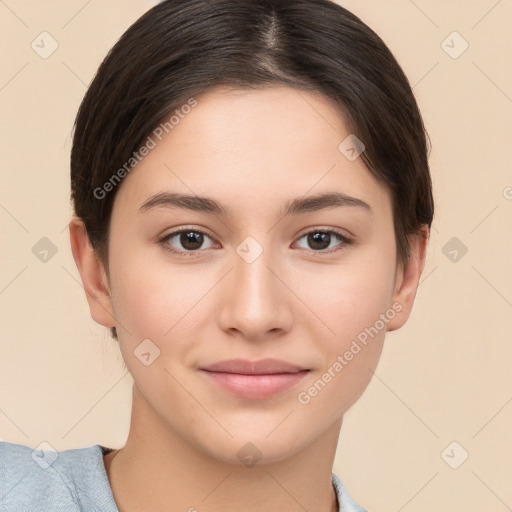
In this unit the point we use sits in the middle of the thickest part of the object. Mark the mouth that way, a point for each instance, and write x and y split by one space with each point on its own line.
261 367
254 379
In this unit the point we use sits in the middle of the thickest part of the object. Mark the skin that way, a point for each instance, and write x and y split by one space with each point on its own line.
252 151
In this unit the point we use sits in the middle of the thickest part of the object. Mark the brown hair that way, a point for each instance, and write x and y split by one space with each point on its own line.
182 48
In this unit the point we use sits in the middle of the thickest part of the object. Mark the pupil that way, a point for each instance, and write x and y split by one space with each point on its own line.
320 240
191 240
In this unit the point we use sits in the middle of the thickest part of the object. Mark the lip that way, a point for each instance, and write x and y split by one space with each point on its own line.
262 367
254 380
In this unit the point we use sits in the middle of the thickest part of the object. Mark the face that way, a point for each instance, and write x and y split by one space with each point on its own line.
314 286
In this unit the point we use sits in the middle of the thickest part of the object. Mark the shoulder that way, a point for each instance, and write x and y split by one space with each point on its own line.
347 504
41 480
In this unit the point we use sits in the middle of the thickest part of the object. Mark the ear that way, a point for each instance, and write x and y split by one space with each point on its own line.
408 277
93 275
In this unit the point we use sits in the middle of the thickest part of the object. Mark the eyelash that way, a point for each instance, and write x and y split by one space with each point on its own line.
344 239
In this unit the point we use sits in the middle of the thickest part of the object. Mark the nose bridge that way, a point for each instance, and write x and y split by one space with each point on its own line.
254 304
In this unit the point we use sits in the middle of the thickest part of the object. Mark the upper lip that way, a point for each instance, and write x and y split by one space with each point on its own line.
261 367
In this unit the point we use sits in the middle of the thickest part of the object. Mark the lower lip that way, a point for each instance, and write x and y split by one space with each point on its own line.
255 386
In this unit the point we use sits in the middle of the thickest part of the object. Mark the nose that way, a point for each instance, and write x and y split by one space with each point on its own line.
255 301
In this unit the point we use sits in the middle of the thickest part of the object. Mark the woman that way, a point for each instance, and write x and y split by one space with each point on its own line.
252 206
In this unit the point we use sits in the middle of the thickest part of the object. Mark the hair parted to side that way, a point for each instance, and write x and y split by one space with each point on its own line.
182 48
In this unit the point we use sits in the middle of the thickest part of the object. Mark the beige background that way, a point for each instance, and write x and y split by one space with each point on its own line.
444 377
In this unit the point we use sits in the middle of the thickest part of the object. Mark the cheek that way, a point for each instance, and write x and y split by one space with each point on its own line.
155 298
358 309
351 301
351 306
348 297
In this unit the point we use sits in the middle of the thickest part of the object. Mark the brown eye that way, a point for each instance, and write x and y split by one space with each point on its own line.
319 240
185 241
191 240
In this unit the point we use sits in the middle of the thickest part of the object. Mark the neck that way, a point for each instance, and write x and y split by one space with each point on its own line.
158 469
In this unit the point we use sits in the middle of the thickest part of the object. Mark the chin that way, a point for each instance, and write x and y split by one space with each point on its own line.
256 446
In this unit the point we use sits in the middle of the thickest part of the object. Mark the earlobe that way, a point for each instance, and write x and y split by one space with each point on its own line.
408 278
93 275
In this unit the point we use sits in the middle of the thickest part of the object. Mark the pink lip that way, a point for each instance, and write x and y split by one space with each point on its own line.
254 380
261 367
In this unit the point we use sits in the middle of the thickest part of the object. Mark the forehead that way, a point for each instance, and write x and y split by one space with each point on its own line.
250 148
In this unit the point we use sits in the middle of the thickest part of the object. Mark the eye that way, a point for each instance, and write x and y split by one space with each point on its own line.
190 239
320 239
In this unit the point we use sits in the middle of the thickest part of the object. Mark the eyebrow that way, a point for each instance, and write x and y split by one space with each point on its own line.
294 207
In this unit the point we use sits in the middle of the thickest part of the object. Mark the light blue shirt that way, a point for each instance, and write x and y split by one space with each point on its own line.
74 480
